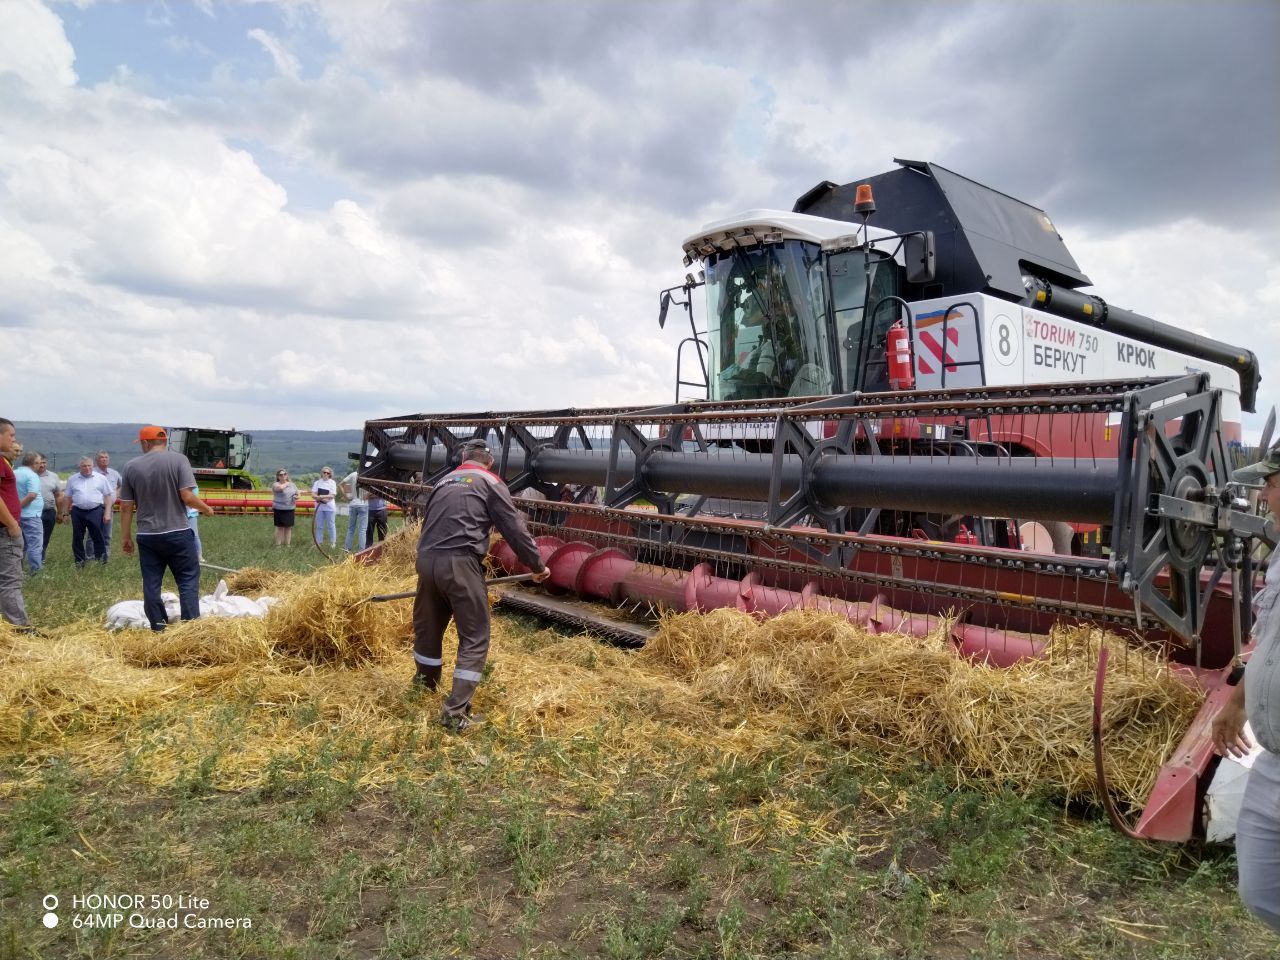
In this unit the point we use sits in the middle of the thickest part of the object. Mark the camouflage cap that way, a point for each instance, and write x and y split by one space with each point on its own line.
1257 472
471 447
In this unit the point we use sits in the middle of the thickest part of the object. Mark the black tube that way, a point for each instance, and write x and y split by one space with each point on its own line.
1085 308
1027 488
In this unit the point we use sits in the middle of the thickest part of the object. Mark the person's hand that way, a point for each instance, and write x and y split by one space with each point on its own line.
1227 731
106 516
14 528
127 546
542 575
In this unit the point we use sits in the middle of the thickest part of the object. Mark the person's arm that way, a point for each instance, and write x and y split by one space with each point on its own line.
108 496
185 481
126 521
510 523
1227 731
31 495
195 503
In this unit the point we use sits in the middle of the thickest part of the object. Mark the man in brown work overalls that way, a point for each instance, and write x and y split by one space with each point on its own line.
458 516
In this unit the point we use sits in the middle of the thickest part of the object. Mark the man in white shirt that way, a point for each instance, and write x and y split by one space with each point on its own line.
102 467
357 512
91 496
1256 698
55 506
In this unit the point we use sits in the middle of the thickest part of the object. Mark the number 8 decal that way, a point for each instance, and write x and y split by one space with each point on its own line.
1004 341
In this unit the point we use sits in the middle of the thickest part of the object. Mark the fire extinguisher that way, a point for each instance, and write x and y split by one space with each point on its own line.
898 348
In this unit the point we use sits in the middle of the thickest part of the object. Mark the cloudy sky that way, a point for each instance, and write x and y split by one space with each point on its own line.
308 213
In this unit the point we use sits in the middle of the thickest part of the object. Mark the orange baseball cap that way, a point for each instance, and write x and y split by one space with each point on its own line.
152 433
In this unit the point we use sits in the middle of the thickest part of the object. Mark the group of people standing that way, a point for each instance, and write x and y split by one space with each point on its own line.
366 516
158 487
85 500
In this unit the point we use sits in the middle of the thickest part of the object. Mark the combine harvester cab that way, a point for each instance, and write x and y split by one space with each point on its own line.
219 458
963 286
840 465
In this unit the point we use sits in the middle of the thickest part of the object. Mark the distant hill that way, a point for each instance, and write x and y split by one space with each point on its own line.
298 451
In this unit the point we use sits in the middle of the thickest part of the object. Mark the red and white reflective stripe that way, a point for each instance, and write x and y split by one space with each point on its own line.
934 346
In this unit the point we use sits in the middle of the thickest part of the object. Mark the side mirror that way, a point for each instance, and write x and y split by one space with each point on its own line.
662 309
918 253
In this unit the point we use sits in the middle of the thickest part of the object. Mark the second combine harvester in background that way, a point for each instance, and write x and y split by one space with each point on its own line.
915 420
220 459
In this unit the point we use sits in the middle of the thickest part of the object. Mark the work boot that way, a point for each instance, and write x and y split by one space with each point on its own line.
456 724
427 678
458 703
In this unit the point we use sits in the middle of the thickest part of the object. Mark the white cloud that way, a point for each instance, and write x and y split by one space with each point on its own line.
505 187
287 65
120 191
34 49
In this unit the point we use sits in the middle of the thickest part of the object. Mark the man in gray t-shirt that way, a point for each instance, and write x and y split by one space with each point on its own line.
160 486
1257 697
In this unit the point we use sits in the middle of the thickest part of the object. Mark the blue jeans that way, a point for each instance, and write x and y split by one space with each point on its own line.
327 522
1258 840
33 541
176 552
194 524
357 521
87 519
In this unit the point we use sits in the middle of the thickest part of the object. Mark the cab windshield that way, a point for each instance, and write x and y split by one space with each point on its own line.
766 319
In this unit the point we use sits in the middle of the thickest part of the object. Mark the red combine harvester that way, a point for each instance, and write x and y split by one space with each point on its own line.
901 423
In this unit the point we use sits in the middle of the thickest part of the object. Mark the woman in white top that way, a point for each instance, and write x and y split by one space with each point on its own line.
325 490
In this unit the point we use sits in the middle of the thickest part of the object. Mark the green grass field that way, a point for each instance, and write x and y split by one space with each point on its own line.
510 843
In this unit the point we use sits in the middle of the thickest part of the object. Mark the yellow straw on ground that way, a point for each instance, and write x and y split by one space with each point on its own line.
322 665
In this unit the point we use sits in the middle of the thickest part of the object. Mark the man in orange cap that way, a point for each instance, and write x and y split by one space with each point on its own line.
160 486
